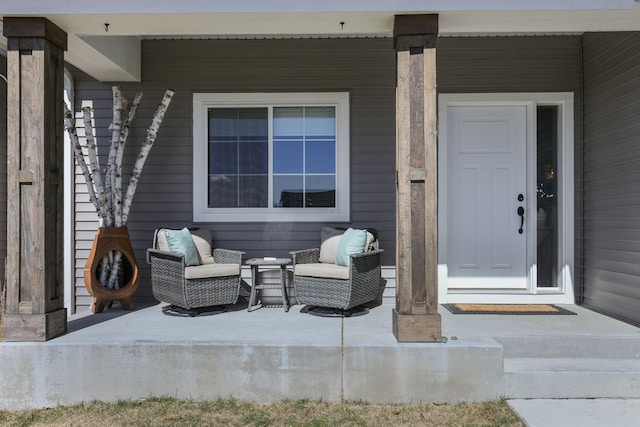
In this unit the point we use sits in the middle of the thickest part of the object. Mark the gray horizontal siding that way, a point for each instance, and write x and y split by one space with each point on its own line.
365 68
520 64
509 64
612 174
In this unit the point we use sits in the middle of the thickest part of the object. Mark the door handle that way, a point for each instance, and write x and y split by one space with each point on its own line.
521 213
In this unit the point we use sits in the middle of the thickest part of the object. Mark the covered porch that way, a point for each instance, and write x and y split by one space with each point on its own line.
269 355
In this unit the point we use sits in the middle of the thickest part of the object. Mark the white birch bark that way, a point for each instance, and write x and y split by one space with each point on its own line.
95 165
122 140
152 133
106 196
70 123
116 124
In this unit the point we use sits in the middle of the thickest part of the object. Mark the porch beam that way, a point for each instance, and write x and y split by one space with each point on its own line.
415 317
34 275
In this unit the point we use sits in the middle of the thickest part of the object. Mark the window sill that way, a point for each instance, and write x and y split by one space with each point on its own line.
280 215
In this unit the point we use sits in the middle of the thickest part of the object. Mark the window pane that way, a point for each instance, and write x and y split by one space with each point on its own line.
287 121
223 158
320 191
253 191
238 157
320 121
253 123
223 124
254 157
548 198
223 191
287 156
288 191
320 157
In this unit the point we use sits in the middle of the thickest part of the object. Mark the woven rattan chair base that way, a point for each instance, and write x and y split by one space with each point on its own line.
334 312
174 310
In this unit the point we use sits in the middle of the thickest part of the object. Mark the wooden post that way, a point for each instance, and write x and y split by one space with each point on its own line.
34 273
416 318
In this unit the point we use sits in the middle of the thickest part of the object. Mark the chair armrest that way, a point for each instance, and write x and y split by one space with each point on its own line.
227 256
168 256
365 261
306 256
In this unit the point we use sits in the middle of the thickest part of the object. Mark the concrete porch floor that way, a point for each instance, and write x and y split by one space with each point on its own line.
268 355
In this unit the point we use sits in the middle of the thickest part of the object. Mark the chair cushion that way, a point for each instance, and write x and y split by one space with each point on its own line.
181 242
323 270
329 249
161 240
330 239
211 270
352 242
202 239
369 246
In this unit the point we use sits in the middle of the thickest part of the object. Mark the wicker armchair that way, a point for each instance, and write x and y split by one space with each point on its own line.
319 282
214 282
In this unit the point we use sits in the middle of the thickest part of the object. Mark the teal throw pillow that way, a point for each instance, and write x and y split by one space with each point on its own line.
181 242
352 242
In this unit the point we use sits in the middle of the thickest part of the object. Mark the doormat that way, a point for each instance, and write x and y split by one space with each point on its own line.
506 309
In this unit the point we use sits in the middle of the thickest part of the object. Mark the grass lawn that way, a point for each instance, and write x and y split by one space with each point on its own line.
231 412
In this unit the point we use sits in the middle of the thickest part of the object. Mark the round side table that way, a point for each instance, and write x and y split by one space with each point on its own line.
255 264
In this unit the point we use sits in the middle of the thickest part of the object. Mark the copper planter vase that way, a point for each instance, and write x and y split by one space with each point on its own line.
111 239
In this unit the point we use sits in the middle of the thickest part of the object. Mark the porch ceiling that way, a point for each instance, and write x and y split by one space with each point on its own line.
113 53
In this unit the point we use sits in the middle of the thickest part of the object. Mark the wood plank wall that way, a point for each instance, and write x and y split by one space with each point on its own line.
3 170
612 174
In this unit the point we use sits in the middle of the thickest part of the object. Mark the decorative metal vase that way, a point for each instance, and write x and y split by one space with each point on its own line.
111 239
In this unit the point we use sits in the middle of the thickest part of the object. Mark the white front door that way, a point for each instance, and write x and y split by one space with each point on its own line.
505 198
487 184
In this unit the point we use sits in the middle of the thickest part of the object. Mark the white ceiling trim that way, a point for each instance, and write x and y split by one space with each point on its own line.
244 6
113 53
112 59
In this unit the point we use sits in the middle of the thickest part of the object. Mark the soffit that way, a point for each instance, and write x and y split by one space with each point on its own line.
112 53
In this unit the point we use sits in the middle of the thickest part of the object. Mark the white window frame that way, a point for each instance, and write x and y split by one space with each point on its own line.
203 101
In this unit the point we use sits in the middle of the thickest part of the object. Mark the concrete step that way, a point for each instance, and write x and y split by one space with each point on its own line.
572 347
563 365
584 377
572 366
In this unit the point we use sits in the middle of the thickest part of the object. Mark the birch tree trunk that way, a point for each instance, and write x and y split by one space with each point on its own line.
115 127
122 140
95 165
70 123
106 196
152 133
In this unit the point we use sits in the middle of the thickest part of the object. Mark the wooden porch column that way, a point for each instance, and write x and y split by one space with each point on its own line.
34 273
416 318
